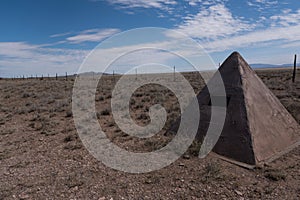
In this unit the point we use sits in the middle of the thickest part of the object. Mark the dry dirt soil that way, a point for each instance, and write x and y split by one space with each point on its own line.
42 157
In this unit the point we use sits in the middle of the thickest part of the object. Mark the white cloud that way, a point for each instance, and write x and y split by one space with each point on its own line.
218 30
262 5
256 38
204 2
158 4
213 22
92 35
21 57
60 34
168 52
286 18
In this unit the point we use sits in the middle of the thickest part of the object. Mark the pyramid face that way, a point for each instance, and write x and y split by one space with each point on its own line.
257 127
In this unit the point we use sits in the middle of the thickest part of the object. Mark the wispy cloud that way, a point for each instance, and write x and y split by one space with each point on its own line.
92 35
60 34
158 4
287 18
213 22
262 5
283 32
204 2
21 57
256 38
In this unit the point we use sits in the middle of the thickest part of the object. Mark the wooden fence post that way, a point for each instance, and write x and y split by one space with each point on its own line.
174 72
295 66
135 74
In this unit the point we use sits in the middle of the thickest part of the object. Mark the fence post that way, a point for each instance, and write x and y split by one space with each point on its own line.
135 74
174 72
295 66
56 76
66 76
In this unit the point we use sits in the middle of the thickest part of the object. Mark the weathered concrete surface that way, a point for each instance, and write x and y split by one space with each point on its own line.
257 127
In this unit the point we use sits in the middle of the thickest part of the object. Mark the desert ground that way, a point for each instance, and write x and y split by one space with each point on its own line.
42 157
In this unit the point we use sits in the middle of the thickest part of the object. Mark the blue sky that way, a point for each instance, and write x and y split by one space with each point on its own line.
48 37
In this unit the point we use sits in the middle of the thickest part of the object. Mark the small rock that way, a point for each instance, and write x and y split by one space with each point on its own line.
6 173
148 181
238 192
24 196
101 198
181 165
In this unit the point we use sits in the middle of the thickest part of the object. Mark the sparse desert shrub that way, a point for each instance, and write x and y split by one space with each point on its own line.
194 148
147 99
100 98
32 108
21 111
69 113
110 124
138 94
132 101
212 171
143 116
25 95
275 175
105 112
69 138
139 106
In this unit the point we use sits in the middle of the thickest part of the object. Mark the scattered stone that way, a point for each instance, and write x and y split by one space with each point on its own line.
23 196
238 192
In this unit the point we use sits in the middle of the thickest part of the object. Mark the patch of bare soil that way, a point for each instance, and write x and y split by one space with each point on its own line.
42 157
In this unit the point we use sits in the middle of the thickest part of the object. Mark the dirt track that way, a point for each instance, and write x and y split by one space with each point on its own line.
41 156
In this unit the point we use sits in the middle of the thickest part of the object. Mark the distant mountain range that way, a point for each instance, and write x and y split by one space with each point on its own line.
259 65
93 73
255 66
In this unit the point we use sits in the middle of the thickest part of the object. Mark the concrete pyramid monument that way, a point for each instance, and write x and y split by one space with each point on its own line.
257 128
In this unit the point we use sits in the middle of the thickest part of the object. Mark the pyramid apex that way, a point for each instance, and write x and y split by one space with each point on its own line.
235 54
235 61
